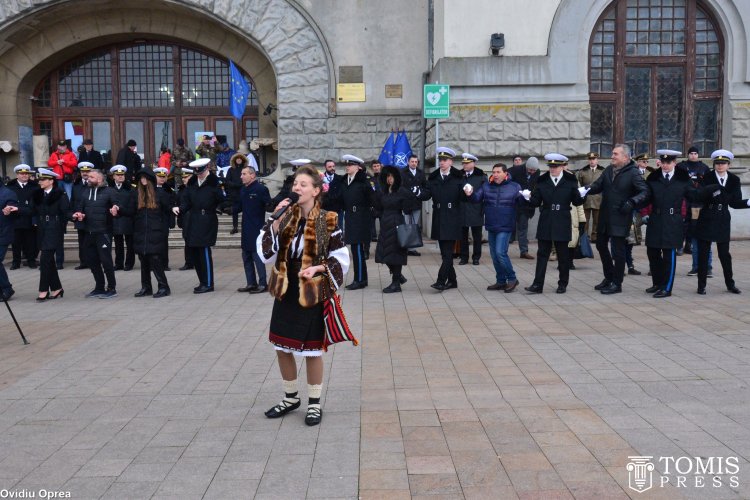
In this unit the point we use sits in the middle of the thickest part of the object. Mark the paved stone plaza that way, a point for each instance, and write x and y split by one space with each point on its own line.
464 394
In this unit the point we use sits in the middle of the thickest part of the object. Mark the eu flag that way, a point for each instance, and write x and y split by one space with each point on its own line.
239 90
386 155
401 151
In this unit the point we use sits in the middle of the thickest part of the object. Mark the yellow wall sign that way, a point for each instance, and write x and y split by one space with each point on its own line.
350 92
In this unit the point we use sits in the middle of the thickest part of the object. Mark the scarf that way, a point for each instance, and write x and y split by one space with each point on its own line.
317 232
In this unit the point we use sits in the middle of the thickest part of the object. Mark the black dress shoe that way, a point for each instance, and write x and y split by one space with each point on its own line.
356 285
60 267
143 292
204 289
612 288
734 289
162 292
32 265
119 268
652 289
260 289
15 266
392 288
661 294
572 267
413 253
167 268
497 286
634 271
701 291
462 262
533 288
604 284
82 266
438 286
561 289
245 289
186 268
475 262
128 268
450 284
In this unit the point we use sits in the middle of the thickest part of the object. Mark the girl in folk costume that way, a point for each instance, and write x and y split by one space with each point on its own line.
303 245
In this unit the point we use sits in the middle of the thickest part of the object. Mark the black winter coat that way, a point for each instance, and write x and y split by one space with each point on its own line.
151 225
131 160
472 212
332 198
628 185
78 189
94 157
286 188
408 181
714 222
357 200
169 195
446 204
519 175
53 212
182 219
202 202
95 204
233 181
25 196
664 229
389 206
123 224
554 206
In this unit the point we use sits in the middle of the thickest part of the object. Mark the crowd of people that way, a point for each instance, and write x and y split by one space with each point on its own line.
316 215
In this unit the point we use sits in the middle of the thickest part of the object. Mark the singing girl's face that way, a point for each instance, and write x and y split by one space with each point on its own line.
304 187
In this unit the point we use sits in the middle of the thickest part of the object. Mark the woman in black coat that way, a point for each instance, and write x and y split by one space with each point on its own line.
233 185
357 198
149 212
52 210
390 202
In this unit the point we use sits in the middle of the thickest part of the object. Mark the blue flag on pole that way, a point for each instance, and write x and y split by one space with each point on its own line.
239 90
386 155
401 151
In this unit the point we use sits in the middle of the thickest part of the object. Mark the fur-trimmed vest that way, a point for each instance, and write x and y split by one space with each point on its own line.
319 226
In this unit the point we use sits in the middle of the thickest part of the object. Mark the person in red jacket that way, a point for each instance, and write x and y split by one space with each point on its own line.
63 162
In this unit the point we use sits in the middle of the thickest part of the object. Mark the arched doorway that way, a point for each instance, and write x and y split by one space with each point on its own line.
151 91
656 77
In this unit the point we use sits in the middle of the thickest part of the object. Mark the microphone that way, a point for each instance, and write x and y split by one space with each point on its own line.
293 198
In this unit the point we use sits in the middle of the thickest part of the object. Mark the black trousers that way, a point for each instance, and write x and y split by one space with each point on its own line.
81 247
24 243
359 263
395 271
613 271
476 236
204 264
544 249
99 259
447 273
724 256
121 255
662 263
152 263
189 257
48 277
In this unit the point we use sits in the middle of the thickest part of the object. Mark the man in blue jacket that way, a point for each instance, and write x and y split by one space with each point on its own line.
252 202
9 204
500 197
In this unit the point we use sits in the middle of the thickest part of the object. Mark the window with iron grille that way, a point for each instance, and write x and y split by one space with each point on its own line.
86 82
146 76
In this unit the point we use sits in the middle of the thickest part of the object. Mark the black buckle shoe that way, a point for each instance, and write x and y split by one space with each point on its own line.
314 415
281 409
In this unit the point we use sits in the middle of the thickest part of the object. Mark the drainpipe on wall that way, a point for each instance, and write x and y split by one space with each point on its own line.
426 74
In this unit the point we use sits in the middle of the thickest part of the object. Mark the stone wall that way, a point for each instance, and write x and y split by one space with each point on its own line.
500 131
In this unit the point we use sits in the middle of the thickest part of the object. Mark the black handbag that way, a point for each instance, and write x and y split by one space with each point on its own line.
409 236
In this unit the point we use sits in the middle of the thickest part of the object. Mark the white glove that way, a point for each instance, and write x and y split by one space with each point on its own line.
748 203
583 190
415 190
526 194
176 210
468 189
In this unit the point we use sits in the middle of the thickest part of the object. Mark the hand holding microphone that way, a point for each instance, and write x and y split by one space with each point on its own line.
281 208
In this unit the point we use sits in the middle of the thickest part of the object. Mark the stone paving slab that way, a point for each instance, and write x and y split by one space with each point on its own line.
461 394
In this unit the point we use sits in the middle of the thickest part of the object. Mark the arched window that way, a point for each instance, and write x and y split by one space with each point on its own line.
153 92
655 77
